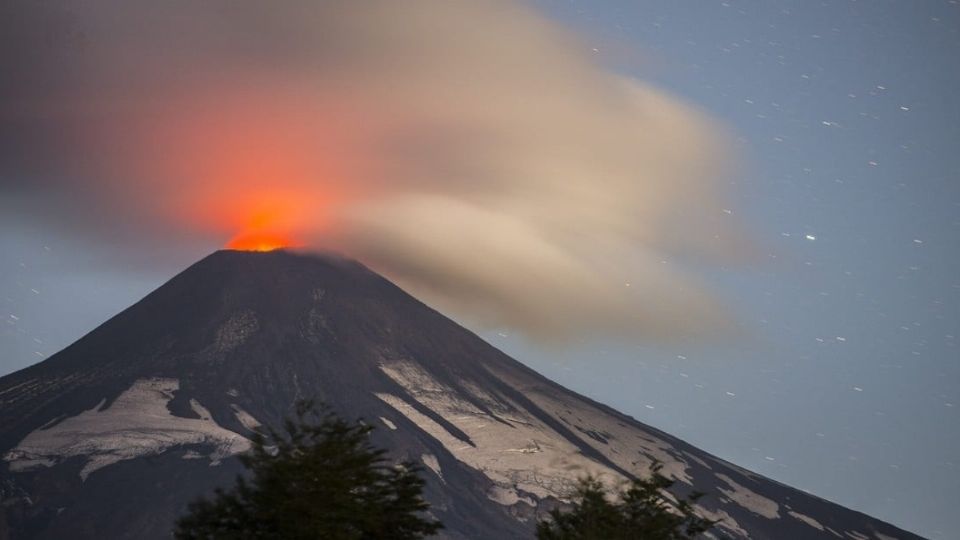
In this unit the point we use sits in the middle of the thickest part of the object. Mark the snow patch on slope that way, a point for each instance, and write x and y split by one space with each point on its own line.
433 463
629 448
724 521
515 452
201 411
698 460
757 504
806 519
508 497
136 424
245 418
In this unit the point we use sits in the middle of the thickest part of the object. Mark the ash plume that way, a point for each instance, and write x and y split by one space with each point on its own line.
475 151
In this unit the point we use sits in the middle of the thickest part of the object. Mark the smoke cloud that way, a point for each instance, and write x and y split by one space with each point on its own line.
474 151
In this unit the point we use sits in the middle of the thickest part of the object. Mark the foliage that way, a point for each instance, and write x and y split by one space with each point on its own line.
642 511
319 479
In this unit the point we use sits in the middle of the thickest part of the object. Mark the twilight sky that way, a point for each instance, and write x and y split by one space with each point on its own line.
833 364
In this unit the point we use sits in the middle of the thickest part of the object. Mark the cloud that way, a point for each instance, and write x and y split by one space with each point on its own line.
475 151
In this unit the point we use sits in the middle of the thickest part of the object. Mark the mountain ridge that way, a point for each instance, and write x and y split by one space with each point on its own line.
235 339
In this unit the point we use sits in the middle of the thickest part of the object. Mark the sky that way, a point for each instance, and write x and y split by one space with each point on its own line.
841 374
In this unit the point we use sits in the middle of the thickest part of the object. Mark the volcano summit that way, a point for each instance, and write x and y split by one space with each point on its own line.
114 435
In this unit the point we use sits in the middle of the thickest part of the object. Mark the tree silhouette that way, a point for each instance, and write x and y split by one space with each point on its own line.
642 511
319 479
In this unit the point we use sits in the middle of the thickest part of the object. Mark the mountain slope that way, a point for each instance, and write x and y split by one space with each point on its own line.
111 437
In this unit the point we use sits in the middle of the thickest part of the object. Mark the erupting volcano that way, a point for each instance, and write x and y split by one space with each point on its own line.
151 409
260 241
264 221
262 233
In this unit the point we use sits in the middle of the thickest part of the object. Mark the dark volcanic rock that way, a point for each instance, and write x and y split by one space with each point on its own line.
114 435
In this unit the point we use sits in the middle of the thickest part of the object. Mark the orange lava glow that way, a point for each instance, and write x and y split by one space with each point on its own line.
264 220
259 168
260 242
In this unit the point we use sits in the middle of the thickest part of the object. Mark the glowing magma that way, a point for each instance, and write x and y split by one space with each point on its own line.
257 241
263 221
253 167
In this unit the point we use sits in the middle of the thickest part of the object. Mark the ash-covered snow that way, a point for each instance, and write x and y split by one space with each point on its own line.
515 449
806 519
246 418
136 424
508 496
629 448
431 461
749 500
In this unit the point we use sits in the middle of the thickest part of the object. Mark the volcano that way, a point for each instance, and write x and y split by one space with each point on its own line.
114 435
